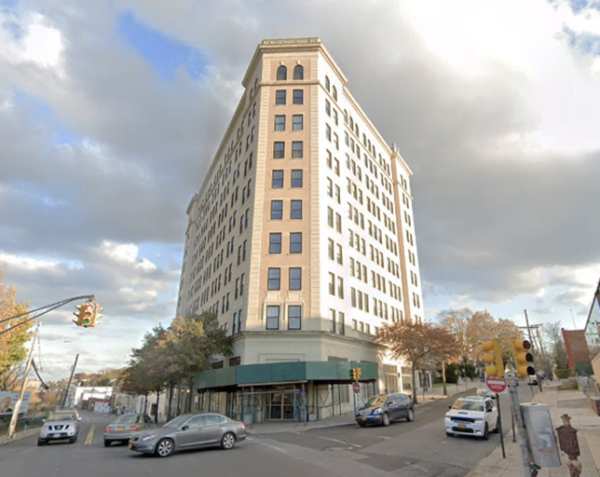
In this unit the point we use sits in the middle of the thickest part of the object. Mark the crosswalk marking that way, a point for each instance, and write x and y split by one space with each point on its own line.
88 440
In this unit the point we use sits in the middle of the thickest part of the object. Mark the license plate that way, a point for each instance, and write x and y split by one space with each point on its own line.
363 418
120 429
462 427
130 445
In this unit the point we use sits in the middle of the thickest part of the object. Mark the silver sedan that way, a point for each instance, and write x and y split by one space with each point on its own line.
189 431
124 426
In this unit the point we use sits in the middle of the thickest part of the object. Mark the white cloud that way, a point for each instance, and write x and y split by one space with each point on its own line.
26 263
126 253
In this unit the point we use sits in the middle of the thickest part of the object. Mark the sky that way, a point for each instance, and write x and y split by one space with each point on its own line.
111 112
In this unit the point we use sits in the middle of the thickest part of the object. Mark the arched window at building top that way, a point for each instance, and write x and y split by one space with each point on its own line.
299 72
282 73
327 84
334 92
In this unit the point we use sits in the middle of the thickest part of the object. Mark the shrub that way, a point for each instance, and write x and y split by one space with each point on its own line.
563 373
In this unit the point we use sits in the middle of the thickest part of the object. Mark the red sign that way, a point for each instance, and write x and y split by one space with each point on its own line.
356 388
495 384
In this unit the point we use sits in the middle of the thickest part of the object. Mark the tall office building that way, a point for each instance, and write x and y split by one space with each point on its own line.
301 241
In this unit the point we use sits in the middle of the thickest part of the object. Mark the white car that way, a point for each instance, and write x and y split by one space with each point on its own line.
472 416
61 425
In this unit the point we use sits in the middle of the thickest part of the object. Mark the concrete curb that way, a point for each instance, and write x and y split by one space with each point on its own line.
4 440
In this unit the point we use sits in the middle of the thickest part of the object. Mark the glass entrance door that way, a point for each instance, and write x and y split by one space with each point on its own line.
281 406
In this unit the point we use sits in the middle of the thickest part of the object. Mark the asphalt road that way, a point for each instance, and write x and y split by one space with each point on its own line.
419 448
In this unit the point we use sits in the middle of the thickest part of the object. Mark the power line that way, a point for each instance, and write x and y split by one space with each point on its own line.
44 385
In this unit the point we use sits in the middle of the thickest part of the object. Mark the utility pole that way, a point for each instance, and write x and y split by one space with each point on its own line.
15 416
69 384
518 417
539 381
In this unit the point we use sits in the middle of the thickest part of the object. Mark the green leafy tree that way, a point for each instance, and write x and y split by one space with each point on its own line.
12 343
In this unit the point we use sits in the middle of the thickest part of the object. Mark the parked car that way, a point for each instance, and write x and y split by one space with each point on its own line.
61 425
124 426
472 416
385 408
189 431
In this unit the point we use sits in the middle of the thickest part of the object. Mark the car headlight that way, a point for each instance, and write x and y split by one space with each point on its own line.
149 437
477 419
376 411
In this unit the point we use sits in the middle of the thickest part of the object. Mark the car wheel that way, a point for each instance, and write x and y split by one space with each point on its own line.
124 443
486 432
385 419
410 415
228 441
107 443
449 434
164 448
362 424
72 440
41 442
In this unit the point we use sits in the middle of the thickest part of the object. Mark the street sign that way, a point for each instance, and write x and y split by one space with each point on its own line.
356 388
495 384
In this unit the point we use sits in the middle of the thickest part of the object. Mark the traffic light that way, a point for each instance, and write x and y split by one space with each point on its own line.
95 315
492 357
356 374
85 317
523 358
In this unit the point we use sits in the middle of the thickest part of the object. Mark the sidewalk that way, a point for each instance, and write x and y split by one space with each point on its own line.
573 403
347 418
4 439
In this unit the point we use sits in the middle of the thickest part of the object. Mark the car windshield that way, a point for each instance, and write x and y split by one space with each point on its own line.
464 405
126 419
178 421
377 401
62 416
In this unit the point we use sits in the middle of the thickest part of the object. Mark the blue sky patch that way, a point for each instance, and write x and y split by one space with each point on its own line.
584 43
164 53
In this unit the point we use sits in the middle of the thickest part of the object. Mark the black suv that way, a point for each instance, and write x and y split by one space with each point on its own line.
385 408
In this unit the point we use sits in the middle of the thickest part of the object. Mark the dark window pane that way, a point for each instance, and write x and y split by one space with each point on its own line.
278 150
276 210
295 279
296 242
280 123
277 182
280 96
297 149
274 279
275 243
296 209
281 73
272 317
297 122
294 317
298 72
297 178
298 96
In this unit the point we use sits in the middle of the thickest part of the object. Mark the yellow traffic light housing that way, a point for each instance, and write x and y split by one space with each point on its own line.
356 374
492 357
87 315
358 370
523 358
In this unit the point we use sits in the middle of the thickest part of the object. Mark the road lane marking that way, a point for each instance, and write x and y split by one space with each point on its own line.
88 441
339 441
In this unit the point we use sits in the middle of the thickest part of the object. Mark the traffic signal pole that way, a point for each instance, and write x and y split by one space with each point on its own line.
69 383
516 407
537 375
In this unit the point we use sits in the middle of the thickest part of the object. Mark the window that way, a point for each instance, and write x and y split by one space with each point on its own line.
281 73
327 83
280 122
298 72
296 178
276 209
295 279
298 96
338 223
275 243
327 108
331 284
330 216
278 150
296 242
277 181
280 96
273 317
274 282
339 255
328 132
297 149
297 122
242 284
340 287
332 320
296 209
334 92
342 323
330 249
294 317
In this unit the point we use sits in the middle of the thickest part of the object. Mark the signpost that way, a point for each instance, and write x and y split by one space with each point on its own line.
495 384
